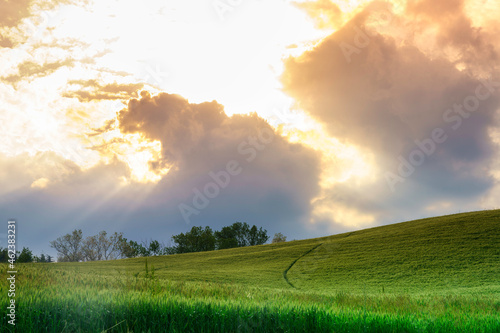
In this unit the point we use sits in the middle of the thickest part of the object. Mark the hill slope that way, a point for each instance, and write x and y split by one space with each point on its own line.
431 275
457 254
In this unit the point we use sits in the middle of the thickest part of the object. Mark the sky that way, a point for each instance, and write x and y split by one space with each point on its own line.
308 118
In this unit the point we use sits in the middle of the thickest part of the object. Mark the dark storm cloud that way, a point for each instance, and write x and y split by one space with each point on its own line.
381 95
72 197
200 139
387 97
277 181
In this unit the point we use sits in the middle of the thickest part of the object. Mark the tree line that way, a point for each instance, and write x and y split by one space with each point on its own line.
205 239
26 255
74 247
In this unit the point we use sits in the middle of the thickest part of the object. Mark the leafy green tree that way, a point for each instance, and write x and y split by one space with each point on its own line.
240 234
226 238
128 249
195 240
25 256
168 250
257 236
42 258
155 248
4 255
241 231
133 249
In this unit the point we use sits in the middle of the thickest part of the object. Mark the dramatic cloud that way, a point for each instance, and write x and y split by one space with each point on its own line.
50 195
390 98
220 169
273 176
387 111
473 46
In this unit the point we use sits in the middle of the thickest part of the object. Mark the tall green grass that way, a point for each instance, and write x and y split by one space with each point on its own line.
55 301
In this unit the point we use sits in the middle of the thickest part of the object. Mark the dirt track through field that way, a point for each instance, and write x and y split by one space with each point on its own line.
293 263
285 272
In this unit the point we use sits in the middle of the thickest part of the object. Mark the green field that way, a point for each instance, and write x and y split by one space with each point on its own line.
431 275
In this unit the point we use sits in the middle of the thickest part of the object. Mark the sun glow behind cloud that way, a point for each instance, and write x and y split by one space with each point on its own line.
170 47
193 52
340 163
136 152
75 67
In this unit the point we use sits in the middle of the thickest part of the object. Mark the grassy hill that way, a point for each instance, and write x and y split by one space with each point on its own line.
455 253
429 275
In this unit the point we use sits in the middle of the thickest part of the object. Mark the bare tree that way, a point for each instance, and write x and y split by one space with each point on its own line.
104 245
279 237
69 246
72 247
115 246
90 248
